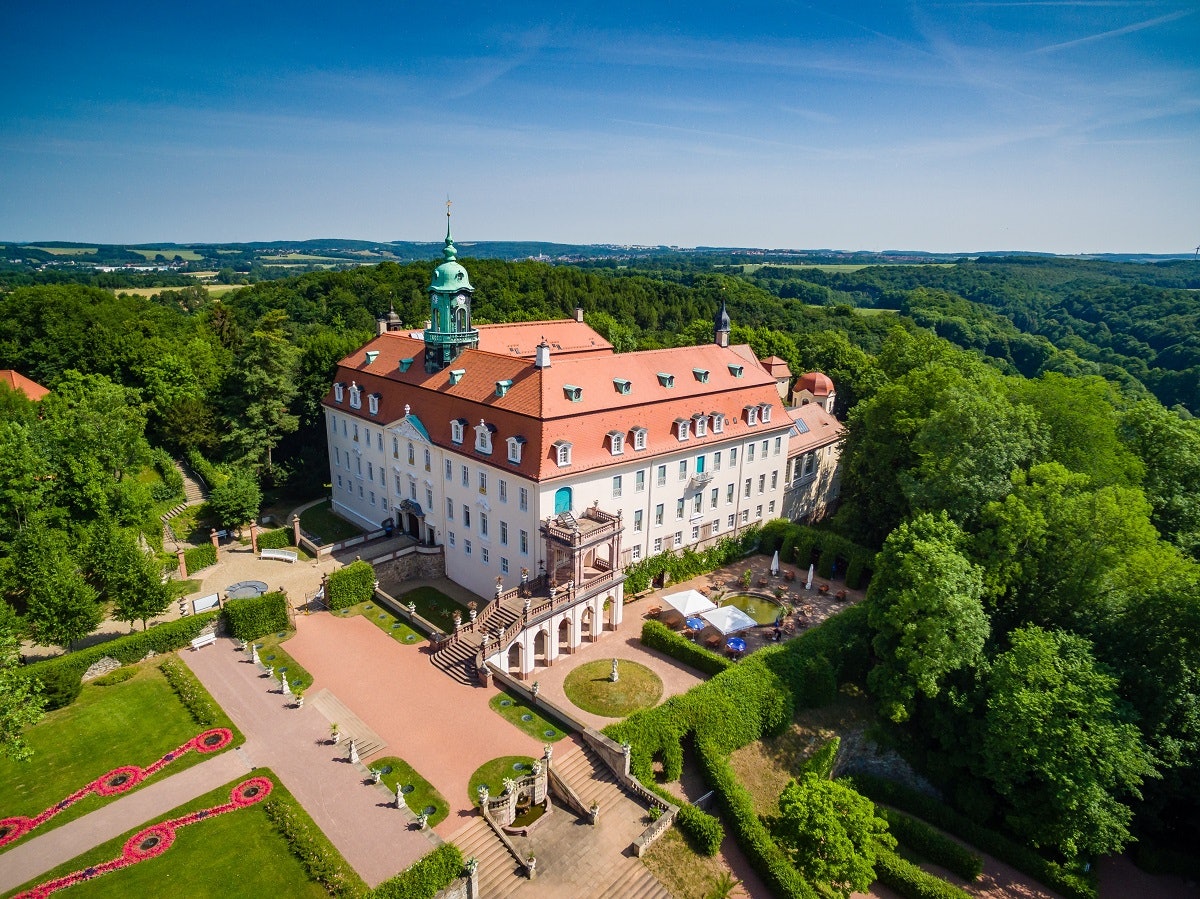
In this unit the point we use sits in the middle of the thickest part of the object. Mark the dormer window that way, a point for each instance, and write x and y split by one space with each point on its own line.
622 386
483 436
718 420
373 403
371 356
456 375
457 427
514 449
639 438
764 413
683 428
736 370
701 422
562 453
355 396
573 393
751 415
616 442
339 390
502 387
701 375
406 364
666 380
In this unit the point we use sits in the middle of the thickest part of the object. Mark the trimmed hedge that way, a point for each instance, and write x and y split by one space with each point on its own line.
797 543
200 557
703 832
323 863
171 486
117 676
425 877
209 473
1007 850
689 563
59 672
350 585
193 696
280 538
910 881
931 844
658 636
249 619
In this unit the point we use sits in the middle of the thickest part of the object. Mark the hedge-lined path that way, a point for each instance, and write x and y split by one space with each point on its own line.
37 854
375 838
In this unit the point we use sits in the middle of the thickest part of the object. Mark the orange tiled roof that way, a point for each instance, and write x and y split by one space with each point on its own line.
538 408
777 367
815 428
522 338
17 381
815 382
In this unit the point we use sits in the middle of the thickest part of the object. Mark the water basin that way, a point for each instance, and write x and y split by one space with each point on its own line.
762 609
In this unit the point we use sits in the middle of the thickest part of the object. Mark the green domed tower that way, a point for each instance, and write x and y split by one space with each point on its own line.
449 331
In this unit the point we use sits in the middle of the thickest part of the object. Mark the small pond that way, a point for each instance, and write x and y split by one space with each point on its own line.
762 609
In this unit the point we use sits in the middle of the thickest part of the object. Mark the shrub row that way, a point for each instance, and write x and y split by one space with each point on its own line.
910 881
118 676
172 481
658 636
199 557
689 563
425 877
703 832
322 862
350 585
209 473
797 543
249 619
1007 850
159 638
193 696
931 844
280 538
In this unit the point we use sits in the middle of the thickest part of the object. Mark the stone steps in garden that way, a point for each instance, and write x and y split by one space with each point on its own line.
499 874
590 778
458 659
350 726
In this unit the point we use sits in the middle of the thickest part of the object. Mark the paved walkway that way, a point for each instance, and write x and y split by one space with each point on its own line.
38 854
377 839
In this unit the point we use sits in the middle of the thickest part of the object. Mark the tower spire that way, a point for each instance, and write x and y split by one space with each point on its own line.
449 251
721 326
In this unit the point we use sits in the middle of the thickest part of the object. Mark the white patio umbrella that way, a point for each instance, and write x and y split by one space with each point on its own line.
729 619
775 563
689 603
808 585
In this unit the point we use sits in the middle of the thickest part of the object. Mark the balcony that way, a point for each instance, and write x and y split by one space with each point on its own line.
699 480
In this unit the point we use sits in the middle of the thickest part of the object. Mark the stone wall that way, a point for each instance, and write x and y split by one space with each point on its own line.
413 564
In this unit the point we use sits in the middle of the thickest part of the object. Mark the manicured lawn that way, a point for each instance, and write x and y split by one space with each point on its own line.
493 773
383 619
419 794
271 653
321 522
237 854
518 712
180 589
435 607
132 723
590 688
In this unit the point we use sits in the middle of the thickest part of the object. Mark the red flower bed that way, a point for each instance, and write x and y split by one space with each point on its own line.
155 839
114 782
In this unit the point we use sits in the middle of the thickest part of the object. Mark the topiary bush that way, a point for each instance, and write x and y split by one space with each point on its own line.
200 557
249 619
425 877
61 686
350 585
658 636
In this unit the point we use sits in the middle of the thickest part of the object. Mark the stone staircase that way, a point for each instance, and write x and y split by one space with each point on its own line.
499 874
350 726
193 493
458 659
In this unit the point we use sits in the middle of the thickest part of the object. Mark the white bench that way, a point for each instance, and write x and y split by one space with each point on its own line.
204 640
281 555
204 603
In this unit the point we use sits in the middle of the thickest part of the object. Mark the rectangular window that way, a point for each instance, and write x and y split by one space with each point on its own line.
717 461
370 472
383 502
658 514
683 469
732 456
467 547
746 492
523 496
412 454
483 554
749 452
412 490
428 498
662 476
745 515
450 537
762 483
771 507
637 552
728 493
758 511
712 498
679 538
774 479
729 522
778 445
678 509
504 533
504 564
697 502
637 520
395 448
398 487
449 510
483 482
428 461
716 526
449 469
466 519
616 485
695 532
339 480
502 486
657 545
765 444
639 480
524 544
466 477
483 524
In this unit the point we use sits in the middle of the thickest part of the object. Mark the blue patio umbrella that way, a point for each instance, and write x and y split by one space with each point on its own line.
737 644
696 624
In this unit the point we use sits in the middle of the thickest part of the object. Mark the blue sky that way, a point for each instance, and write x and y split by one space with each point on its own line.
1068 126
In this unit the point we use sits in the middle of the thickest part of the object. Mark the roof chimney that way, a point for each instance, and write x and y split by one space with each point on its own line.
578 313
380 326
542 357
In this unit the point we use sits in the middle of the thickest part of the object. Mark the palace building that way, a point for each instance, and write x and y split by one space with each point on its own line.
540 460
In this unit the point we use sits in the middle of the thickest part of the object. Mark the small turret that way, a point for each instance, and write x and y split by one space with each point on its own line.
541 358
721 326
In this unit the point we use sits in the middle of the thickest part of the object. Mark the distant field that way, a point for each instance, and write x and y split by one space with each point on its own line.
151 291
833 267
301 257
169 253
65 251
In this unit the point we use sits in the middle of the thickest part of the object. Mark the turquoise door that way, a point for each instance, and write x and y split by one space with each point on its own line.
562 500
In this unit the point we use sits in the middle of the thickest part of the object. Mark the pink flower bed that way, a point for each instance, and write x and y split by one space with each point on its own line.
156 839
115 782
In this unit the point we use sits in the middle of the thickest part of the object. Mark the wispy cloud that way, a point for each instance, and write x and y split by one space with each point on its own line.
1115 32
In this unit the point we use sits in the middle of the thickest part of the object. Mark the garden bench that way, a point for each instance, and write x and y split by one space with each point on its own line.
204 640
281 555
205 603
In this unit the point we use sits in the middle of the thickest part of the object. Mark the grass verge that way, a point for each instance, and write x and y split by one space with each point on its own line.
591 688
398 629
520 714
271 653
492 774
421 797
321 522
435 607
